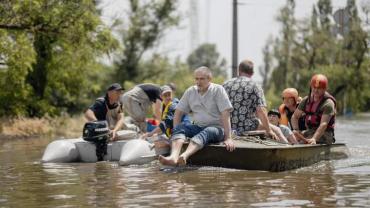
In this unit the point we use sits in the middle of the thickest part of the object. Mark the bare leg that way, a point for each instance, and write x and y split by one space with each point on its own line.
192 148
175 152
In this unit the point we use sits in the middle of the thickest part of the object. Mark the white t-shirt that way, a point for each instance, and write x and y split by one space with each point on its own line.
206 108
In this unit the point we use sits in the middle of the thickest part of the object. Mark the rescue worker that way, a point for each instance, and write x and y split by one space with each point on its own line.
320 109
138 101
290 103
108 108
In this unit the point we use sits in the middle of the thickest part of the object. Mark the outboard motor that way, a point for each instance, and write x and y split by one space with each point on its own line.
98 133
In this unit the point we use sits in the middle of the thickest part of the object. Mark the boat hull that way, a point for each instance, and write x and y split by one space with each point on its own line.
279 157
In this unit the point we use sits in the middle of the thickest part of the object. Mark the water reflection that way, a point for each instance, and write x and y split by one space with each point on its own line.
24 182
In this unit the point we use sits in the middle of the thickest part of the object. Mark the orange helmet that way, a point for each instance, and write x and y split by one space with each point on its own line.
290 93
319 81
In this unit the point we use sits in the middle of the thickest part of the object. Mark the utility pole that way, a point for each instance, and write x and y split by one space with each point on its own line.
194 28
235 39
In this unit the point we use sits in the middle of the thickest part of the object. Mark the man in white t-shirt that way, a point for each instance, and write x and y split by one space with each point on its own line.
210 107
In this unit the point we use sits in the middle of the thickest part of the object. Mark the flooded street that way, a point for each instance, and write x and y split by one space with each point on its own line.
25 182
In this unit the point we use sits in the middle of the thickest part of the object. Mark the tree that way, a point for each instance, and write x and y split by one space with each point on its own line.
63 40
147 21
313 47
284 46
207 55
265 71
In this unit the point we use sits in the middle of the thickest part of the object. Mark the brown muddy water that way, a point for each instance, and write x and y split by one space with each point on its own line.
25 182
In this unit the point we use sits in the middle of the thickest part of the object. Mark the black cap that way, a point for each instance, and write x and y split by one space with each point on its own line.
274 112
115 86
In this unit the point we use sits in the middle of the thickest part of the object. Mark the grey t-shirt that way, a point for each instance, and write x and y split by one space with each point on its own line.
206 108
286 130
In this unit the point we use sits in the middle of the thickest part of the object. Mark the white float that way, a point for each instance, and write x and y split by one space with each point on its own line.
128 150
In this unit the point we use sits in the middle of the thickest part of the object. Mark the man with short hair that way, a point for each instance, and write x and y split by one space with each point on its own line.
319 107
210 109
248 100
108 108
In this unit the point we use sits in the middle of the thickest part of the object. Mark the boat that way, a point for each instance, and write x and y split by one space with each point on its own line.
256 153
127 151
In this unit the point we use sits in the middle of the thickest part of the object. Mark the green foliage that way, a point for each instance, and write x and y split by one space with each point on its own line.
160 70
52 49
147 21
207 55
18 56
310 47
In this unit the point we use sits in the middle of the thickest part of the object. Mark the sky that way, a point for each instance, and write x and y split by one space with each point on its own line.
256 22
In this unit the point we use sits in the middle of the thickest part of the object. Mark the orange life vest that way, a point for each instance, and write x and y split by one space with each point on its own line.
286 116
284 120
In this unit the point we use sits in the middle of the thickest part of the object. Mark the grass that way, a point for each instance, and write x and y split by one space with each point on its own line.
65 126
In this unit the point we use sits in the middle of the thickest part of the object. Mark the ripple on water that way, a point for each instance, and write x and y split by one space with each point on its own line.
282 203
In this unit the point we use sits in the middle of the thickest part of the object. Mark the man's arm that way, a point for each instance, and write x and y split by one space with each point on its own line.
296 115
90 115
320 131
177 117
225 119
262 115
157 111
297 133
118 126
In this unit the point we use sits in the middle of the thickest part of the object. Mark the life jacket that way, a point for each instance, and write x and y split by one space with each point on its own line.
168 114
284 120
112 111
286 116
313 115
165 110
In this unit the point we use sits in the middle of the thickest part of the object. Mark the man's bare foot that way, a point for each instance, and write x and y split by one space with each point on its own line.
181 161
167 161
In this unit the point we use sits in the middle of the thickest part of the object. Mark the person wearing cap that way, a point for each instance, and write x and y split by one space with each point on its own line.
108 108
210 109
138 101
248 100
168 107
290 103
274 117
320 109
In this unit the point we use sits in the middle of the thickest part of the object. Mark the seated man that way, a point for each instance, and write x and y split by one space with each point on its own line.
108 108
319 107
211 114
168 111
249 113
274 116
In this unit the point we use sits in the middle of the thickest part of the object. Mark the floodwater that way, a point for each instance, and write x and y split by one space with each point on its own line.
25 182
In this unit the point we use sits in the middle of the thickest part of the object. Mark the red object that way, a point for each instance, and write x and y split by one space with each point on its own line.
319 81
153 121
314 113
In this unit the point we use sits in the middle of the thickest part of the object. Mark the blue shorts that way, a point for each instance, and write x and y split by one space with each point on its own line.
199 135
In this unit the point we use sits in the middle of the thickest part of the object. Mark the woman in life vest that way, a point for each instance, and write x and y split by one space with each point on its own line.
319 107
168 110
290 103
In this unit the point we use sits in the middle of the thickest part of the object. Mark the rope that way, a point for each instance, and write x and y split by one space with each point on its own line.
257 139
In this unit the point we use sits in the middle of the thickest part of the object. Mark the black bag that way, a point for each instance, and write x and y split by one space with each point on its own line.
98 133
